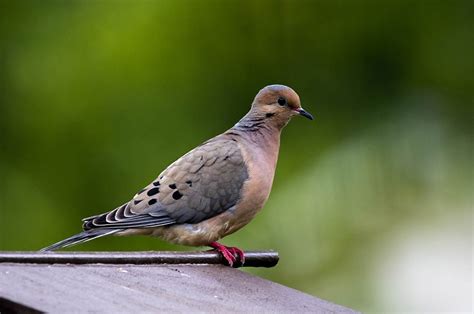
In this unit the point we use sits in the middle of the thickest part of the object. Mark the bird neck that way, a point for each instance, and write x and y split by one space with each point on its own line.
256 119
261 140
256 127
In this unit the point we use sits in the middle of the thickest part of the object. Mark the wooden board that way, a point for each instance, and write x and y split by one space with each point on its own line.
66 288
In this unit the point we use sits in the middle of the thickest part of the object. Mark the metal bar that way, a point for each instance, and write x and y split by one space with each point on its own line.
252 258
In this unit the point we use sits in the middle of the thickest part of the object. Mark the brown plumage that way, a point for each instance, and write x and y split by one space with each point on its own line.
212 191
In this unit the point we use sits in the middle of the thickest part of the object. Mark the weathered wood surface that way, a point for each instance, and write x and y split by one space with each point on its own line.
160 288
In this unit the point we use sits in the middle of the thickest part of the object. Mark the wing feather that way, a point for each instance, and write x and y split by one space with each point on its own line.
201 184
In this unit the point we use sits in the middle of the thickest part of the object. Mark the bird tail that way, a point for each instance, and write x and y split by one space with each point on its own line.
80 238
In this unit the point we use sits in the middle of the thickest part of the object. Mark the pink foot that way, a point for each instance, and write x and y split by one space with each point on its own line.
229 253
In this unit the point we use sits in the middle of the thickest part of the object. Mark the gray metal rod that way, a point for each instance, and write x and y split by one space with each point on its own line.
252 258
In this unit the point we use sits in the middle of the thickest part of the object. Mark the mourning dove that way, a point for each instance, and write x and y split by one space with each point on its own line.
212 191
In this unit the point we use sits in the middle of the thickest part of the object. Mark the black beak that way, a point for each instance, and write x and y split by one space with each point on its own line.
305 113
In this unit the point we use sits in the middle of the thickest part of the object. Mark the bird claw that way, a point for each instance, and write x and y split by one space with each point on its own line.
230 253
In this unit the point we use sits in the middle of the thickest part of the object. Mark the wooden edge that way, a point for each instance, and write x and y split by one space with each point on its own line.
8 306
252 258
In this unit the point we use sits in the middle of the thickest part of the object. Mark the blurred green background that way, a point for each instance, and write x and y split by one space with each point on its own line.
372 202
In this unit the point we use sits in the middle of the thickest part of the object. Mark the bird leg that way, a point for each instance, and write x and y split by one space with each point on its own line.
229 253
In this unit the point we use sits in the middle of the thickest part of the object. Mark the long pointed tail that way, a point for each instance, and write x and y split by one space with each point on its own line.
80 238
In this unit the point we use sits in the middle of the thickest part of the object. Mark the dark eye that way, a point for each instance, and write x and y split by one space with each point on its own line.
282 101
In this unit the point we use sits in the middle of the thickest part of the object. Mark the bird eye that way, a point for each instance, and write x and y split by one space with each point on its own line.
282 101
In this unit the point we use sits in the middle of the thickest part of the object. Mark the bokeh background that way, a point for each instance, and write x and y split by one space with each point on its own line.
372 202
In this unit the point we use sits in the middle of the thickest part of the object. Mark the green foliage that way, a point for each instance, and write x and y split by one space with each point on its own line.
96 98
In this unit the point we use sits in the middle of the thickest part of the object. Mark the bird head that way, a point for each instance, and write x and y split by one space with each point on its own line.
278 103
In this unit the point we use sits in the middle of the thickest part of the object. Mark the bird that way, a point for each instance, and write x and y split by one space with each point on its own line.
213 190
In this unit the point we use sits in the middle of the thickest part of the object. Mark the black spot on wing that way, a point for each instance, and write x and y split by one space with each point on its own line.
152 201
177 195
172 186
153 191
156 183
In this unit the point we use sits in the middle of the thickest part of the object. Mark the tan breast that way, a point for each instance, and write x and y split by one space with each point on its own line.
261 159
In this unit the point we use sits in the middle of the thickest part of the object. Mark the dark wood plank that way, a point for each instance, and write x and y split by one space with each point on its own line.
66 288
